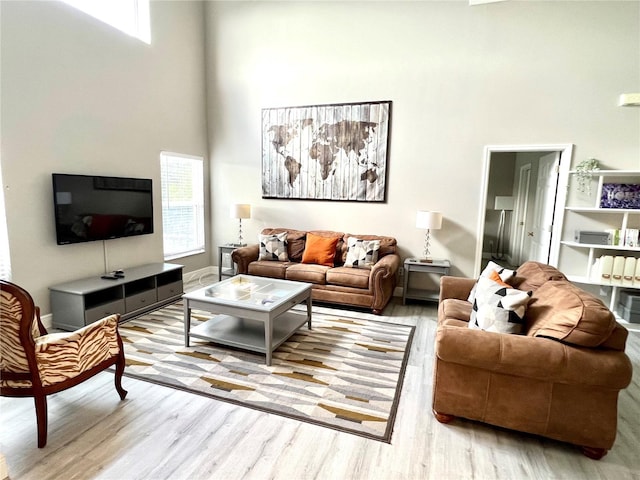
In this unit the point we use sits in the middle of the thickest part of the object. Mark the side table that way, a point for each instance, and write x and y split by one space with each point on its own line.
414 265
226 269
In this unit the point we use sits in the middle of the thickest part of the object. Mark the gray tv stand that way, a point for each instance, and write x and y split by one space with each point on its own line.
145 288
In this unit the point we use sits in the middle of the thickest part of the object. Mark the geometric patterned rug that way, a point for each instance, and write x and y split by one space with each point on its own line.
345 373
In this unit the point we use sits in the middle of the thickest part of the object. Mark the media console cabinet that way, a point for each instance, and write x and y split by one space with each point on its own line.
145 288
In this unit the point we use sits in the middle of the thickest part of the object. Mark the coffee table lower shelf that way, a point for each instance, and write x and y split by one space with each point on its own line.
246 333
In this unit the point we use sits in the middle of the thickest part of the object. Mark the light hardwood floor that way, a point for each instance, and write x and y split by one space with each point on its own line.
159 432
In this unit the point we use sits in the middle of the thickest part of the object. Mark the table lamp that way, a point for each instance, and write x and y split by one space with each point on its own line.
428 221
240 211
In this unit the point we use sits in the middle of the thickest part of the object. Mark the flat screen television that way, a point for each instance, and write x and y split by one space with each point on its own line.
89 208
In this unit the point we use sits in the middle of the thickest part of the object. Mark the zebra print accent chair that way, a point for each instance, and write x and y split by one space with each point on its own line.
35 364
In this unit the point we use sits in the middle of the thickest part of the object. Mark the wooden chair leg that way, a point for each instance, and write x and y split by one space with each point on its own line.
120 364
593 453
41 419
443 417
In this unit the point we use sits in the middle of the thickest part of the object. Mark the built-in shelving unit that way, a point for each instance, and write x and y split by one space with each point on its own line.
142 289
613 218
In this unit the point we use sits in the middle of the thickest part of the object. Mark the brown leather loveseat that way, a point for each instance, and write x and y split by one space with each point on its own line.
370 286
559 378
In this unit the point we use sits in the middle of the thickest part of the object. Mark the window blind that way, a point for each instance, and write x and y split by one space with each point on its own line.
182 204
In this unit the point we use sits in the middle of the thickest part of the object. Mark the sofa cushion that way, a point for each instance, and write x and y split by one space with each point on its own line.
531 275
307 272
498 307
273 247
361 253
267 268
320 250
348 277
562 311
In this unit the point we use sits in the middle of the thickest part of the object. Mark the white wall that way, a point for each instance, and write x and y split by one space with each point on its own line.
460 78
81 97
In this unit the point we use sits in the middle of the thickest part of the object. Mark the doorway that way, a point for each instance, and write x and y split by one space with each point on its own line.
531 180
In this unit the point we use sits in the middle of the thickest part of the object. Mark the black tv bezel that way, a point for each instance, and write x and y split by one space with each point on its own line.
105 179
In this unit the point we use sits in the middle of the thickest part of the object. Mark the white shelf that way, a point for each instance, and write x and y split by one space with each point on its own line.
589 281
600 247
603 210
618 218
612 173
246 333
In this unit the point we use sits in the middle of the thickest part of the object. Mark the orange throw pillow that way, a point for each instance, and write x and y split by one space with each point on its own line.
320 250
495 276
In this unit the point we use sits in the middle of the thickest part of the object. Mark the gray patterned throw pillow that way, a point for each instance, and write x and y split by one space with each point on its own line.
361 253
498 307
273 247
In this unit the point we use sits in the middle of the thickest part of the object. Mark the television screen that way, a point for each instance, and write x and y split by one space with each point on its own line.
91 208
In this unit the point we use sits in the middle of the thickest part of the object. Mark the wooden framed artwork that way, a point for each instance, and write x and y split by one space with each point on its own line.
326 152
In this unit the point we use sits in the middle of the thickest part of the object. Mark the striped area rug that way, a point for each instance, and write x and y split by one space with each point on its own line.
345 373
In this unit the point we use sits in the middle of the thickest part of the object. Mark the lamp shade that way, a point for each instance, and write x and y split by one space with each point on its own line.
429 220
240 210
504 203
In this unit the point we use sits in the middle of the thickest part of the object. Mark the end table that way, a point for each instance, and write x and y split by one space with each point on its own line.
414 265
226 269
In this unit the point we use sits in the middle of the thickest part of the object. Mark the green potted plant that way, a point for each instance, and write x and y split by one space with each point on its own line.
584 173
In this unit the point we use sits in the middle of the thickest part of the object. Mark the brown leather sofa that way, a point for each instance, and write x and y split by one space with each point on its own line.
560 378
368 288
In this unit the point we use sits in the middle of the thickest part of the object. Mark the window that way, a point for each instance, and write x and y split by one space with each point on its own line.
129 16
182 204
5 259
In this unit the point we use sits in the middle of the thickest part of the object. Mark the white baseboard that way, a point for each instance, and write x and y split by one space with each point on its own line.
47 321
197 275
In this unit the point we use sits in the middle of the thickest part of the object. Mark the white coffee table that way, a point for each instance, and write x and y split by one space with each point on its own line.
254 312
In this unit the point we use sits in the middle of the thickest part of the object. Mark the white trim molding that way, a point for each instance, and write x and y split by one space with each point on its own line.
566 154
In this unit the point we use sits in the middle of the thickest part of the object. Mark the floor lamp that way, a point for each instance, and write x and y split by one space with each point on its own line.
428 221
240 211
502 203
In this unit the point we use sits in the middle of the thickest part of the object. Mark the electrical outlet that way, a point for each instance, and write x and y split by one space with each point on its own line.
401 271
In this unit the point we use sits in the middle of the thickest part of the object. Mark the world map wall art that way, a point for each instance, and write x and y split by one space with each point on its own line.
326 152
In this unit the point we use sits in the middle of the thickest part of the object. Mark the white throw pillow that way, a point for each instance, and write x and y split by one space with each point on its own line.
273 247
361 253
505 274
498 308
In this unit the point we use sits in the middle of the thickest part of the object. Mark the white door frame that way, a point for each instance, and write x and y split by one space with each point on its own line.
520 213
566 152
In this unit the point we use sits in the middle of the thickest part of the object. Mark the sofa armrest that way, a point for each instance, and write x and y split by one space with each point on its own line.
386 266
533 357
383 279
243 256
455 287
